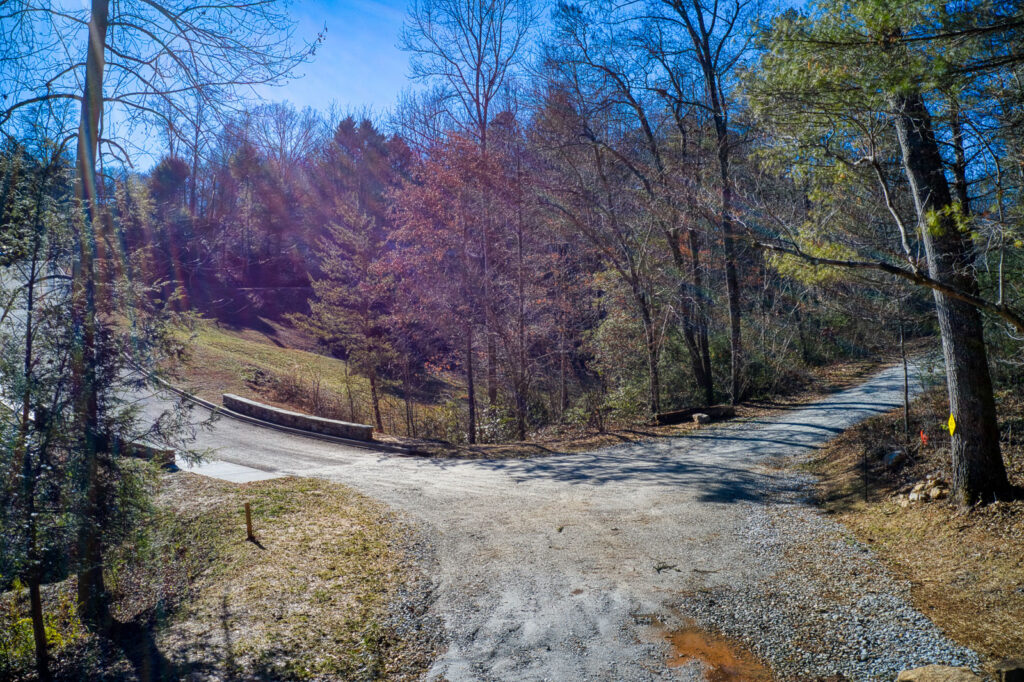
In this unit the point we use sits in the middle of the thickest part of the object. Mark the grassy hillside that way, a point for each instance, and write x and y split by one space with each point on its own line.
276 364
315 597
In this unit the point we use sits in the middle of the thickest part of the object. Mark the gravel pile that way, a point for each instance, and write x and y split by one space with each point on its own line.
828 609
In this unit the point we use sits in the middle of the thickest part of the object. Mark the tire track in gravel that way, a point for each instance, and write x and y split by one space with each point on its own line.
550 568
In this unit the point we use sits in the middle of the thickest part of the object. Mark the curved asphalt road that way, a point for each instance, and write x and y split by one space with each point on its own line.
545 563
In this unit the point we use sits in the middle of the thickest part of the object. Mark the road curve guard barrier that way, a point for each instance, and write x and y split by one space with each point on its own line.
297 420
151 453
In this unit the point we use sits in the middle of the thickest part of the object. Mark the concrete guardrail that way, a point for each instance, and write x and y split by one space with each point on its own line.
139 450
297 420
162 456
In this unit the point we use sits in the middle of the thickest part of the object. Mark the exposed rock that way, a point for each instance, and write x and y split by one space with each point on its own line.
919 487
682 416
915 496
702 418
937 493
938 673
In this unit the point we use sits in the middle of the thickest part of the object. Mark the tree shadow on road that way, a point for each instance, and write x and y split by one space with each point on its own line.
633 464
717 465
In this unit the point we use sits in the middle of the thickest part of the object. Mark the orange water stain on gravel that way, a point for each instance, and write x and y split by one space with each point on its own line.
724 660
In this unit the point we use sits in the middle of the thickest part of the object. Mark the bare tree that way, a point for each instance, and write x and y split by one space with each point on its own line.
615 62
588 192
469 49
420 118
127 65
718 33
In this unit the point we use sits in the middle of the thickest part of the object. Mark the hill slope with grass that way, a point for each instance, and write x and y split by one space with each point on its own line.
273 363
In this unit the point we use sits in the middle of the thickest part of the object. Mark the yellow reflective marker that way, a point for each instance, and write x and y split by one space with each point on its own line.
952 425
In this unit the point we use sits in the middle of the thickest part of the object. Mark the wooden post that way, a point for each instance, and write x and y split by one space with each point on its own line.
248 523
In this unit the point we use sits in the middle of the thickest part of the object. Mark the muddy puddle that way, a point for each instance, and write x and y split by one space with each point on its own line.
723 659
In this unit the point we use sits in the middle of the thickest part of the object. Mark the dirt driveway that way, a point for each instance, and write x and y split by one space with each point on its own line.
554 568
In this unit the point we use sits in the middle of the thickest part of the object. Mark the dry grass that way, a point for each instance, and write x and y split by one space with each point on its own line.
334 589
223 359
311 599
966 567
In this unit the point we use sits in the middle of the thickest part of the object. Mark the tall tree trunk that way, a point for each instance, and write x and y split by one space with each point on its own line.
704 377
38 626
489 323
92 594
31 477
978 472
470 388
520 409
651 341
563 388
521 331
700 34
690 338
694 325
492 365
193 190
34 577
960 156
731 279
27 359
410 429
375 401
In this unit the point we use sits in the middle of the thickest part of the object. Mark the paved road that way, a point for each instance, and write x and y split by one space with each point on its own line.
548 565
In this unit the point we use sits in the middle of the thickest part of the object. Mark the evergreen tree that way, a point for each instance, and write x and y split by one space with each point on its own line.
874 88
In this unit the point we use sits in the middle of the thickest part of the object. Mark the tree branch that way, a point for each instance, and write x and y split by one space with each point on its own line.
1008 314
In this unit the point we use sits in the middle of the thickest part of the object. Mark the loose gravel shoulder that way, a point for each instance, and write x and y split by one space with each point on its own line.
825 607
554 568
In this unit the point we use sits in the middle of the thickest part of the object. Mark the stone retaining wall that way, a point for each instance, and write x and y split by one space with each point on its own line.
297 420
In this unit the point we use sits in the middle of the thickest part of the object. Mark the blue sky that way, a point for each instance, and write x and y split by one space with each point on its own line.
358 64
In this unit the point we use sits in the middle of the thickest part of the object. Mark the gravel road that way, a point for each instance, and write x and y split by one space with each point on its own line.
553 568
